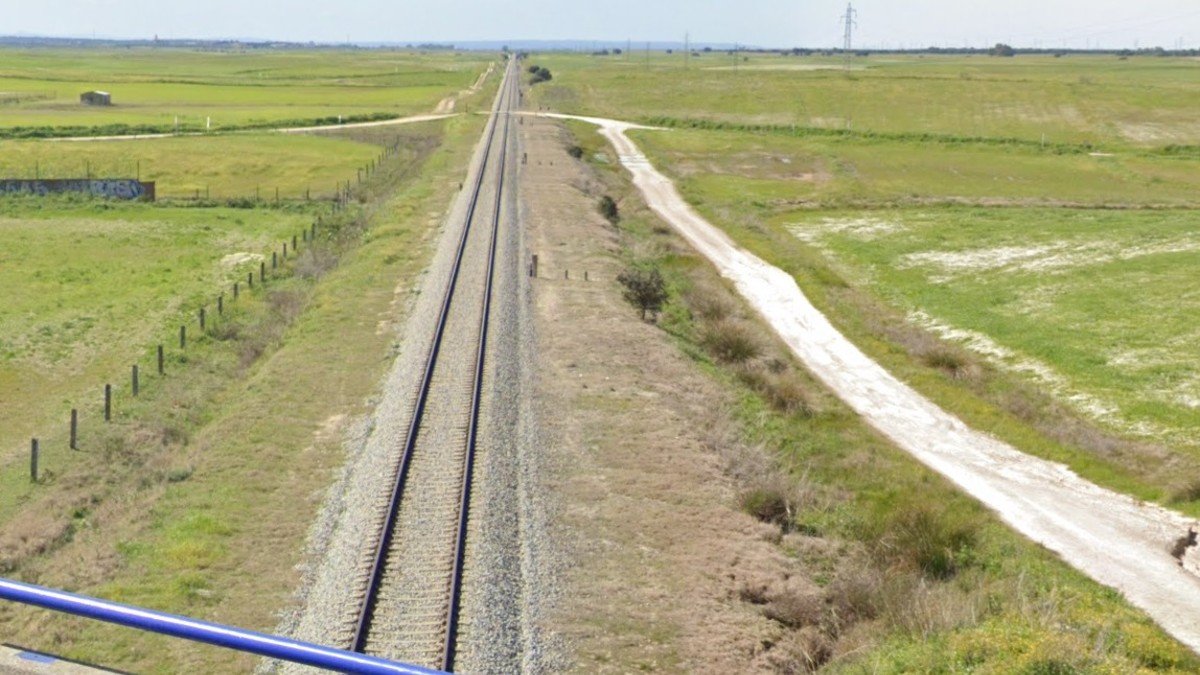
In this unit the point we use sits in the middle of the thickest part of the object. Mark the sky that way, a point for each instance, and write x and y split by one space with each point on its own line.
766 23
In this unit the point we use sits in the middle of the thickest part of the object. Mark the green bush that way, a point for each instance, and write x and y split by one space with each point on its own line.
608 209
644 289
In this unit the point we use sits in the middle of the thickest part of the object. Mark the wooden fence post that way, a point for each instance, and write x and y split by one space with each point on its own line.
133 378
33 460
74 428
160 360
183 337
108 403
201 319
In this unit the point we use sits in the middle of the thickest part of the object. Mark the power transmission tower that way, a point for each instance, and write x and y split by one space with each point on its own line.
850 21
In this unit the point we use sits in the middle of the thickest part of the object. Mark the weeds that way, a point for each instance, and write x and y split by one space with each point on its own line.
730 341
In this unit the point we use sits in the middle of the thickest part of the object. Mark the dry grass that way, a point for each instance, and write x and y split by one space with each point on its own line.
730 341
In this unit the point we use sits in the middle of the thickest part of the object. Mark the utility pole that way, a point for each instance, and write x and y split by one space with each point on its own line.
850 21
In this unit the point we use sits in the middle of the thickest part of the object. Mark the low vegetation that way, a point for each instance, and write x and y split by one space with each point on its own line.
644 289
608 209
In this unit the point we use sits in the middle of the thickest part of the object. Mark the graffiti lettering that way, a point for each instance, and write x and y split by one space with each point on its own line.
112 188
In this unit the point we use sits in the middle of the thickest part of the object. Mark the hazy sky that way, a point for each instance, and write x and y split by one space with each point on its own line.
881 23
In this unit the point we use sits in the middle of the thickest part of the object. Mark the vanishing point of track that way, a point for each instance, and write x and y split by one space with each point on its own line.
410 607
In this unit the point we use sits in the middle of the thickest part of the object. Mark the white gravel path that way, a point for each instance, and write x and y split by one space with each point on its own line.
1111 537
282 130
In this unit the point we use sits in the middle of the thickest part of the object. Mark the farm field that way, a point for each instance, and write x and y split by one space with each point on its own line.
236 166
90 291
1077 99
169 89
1092 305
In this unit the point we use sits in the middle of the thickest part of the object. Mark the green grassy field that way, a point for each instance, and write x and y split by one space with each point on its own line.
219 167
90 290
1093 305
1079 99
159 87
779 171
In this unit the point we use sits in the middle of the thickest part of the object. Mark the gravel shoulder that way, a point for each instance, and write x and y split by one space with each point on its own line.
645 549
1116 540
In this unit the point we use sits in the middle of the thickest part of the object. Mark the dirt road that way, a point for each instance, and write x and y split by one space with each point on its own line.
288 130
1112 538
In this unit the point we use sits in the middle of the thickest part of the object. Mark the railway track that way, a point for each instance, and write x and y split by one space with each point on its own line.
411 598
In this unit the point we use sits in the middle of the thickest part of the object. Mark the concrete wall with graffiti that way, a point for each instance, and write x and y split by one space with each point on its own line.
113 188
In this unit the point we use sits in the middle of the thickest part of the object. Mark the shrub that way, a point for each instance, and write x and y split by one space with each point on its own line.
730 341
709 302
575 151
313 263
608 209
539 74
956 364
644 289
782 390
934 541
768 504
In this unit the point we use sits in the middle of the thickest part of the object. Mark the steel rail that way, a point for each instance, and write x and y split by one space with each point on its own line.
449 649
367 611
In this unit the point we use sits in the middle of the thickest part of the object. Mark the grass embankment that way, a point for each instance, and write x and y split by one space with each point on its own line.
1098 100
199 498
914 576
164 90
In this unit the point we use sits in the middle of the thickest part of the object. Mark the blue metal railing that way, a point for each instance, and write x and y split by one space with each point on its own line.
202 631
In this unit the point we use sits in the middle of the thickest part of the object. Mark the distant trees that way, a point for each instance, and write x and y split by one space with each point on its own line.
1002 49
